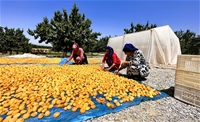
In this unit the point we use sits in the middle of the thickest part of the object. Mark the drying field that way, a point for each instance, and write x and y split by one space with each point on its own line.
28 89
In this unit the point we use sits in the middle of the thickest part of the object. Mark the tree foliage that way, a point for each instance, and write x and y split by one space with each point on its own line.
13 39
139 27
63 30
187 42
102 43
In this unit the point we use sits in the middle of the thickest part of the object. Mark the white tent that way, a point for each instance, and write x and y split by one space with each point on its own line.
159 45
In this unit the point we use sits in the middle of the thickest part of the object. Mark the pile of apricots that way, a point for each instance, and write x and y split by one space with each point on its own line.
9 61
32 91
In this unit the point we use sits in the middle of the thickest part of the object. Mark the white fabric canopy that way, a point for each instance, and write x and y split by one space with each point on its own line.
159 45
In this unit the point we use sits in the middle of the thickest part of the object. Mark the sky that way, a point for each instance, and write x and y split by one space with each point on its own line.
109 17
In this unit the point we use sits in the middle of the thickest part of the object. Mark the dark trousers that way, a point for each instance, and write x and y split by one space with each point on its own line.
85 61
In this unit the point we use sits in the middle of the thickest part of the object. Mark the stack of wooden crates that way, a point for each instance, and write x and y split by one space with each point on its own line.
187 79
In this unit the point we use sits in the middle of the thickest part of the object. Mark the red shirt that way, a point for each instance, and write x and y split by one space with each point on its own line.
115 59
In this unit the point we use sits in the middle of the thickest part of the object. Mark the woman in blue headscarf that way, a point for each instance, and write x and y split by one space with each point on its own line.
111 59
135 63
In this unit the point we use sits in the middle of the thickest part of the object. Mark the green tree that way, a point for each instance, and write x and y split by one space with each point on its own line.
42 31
12 39
2 40
63 30
195 46
9 39
188 45
22 43
139 27
102 43
90 46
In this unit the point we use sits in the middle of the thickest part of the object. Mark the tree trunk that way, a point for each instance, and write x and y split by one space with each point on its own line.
64 54
10 52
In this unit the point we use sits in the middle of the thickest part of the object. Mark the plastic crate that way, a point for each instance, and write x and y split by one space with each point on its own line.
188 95
188 79
188 63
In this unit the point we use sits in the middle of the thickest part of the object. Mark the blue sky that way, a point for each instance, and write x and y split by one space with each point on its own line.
109 17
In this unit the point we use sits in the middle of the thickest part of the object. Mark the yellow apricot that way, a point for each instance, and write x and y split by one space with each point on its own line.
26 116
50 106
23 111
14 119
21 107
82 110
56 114
93 106
74 109
41 115
47 113
16 115
33 114
20 120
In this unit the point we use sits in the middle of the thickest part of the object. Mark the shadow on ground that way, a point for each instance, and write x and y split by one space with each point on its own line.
169 91
137 78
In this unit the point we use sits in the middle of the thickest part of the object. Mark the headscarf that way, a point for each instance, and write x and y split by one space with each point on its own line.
111 51
75 46
128 47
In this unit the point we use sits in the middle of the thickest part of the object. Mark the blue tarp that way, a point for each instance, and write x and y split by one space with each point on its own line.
101 109
63 60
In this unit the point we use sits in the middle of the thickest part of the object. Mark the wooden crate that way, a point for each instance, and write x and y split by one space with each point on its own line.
187 79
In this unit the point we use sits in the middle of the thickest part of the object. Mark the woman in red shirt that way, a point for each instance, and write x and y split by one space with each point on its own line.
111 59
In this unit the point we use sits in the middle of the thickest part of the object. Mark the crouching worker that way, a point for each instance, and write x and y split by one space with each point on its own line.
111 59
136 64
78 55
